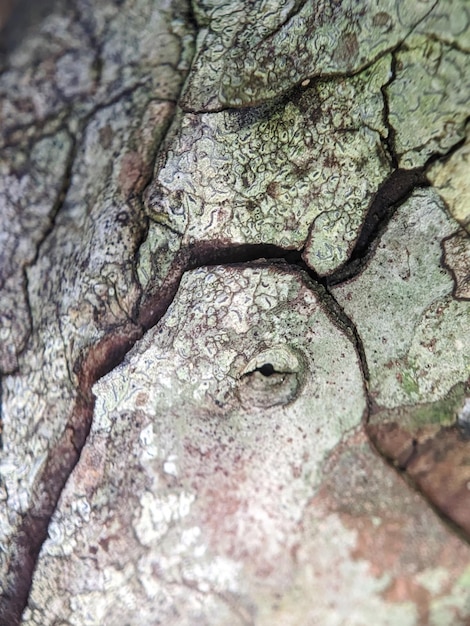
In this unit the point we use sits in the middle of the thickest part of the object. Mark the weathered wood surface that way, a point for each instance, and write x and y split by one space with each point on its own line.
234 313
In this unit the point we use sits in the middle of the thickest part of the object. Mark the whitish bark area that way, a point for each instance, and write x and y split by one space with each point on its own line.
235 270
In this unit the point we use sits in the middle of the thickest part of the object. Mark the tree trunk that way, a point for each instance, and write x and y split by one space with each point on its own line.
235 283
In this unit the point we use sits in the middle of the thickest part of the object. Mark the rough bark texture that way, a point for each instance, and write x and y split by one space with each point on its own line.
234 313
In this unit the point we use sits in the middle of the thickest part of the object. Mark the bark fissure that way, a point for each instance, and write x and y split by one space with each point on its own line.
392 194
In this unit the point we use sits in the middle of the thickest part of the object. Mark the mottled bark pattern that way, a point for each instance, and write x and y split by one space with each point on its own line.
234 313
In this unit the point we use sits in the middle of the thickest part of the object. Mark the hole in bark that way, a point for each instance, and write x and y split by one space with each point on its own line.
267 369
271 378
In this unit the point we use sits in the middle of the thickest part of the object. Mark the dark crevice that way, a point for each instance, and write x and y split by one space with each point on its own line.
191 20
210 253
389 140
200 255
393 192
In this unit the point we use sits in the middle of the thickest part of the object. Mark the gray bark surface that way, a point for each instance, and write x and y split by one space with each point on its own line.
234 313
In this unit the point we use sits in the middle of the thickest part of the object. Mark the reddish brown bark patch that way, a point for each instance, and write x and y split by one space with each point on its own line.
426 442
441 469
397 534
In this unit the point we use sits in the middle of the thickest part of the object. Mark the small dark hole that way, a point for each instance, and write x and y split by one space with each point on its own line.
267 369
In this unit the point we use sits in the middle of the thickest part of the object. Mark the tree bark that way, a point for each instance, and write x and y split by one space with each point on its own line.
234 313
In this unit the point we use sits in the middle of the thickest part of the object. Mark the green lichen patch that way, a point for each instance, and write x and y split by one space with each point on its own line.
413 331
271 175
250 53
451 179
428 99
441 413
